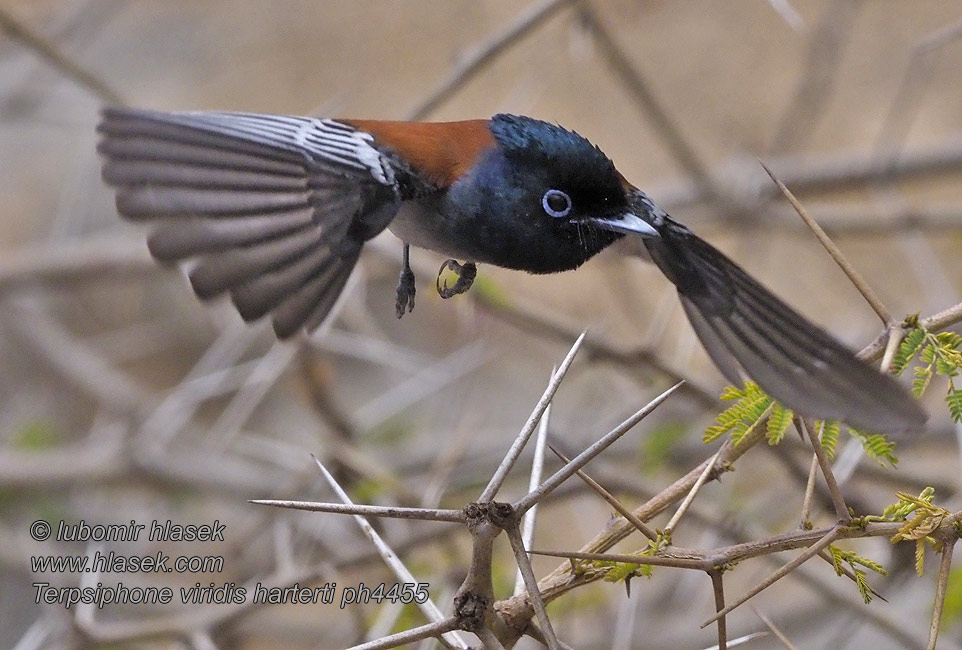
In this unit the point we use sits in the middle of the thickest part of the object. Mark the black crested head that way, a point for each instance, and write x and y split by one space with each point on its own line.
542 200
565 155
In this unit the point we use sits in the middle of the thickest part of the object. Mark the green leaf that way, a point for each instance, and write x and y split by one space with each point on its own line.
620 571
870 564
946 366
713 433
836 559
750 404
778 422
830 431
949 340
908 349
731 392
754 411
36 435
954 400
656 447
923 375
863 586
877 447
906 505
853 561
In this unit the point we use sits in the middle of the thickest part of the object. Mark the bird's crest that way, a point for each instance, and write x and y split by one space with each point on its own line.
565 152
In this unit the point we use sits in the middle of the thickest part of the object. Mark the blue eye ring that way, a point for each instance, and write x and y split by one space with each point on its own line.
553 200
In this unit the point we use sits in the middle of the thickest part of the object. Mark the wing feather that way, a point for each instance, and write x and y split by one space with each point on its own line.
310 304
261 294
273 209
218 272
185 238
159 201
189 174
143 147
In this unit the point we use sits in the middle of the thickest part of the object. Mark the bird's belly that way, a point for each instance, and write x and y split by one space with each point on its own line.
420 223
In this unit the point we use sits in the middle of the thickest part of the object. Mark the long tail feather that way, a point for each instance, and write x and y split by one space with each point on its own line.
751 333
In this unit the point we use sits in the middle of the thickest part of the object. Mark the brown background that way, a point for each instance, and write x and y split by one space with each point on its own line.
95 338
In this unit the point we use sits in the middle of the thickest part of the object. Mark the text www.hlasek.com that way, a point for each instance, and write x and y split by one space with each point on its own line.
116 563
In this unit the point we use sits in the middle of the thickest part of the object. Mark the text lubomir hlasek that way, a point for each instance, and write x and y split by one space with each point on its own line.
160 531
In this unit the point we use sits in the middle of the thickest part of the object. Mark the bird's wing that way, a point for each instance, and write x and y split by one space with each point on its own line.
273 208
750 333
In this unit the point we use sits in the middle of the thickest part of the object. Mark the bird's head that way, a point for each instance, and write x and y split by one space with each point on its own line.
559 176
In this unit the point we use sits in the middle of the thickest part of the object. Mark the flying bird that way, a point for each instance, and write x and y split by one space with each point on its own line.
275 210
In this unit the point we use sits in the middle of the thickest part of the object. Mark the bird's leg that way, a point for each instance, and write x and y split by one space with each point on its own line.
466 273
405 285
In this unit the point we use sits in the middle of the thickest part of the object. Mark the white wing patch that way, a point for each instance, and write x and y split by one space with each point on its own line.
316 138
344 144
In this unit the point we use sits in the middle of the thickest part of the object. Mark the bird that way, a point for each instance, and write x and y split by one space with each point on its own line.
274 210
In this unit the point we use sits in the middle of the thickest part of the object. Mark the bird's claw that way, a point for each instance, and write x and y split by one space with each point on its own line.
405 292
466 273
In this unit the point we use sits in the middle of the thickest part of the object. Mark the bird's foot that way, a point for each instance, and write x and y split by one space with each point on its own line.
405 289
466 273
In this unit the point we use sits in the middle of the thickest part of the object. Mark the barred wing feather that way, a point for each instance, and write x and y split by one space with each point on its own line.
274 209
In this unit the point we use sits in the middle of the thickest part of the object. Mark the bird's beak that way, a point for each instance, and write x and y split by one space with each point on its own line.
628 223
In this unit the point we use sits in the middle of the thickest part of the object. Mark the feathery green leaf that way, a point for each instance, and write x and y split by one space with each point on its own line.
830 431
908 349
954 401
778 422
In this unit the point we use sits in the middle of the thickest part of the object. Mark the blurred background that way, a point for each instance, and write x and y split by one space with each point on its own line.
124 398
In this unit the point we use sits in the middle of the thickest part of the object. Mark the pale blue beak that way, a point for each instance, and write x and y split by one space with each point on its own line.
628 223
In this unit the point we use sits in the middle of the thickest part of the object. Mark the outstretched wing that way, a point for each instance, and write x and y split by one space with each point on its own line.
750 333
274 209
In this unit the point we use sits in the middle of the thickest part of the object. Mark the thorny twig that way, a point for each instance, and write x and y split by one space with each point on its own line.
944 568
841 510
642 527
863 287
718 589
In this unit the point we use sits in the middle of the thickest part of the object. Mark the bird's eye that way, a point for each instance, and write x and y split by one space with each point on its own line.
556 203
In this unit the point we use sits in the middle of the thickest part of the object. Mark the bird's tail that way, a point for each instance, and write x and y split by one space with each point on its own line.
751 333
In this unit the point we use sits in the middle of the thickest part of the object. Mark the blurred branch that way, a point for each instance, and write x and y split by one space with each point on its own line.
820 172
78 260
58 59
935 323
636 361
905 105
788 13
825 47
777 632
473 62
74 361
90 463
838 219
662 121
